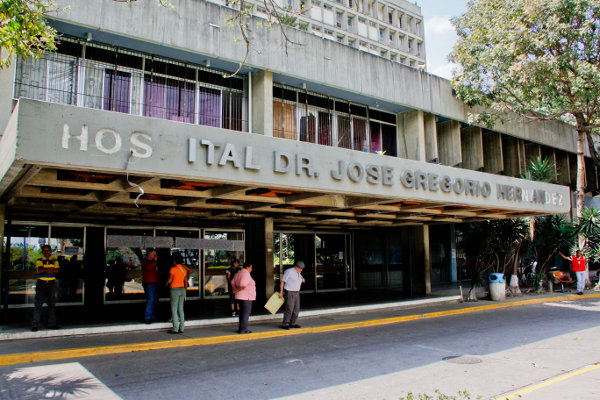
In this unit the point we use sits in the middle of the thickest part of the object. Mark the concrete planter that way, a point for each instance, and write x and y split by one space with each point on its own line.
498 291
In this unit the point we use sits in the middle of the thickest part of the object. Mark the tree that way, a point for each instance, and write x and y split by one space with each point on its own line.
23 29
536 58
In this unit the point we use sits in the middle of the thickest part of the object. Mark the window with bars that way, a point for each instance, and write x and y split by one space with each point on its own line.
314 118
108 78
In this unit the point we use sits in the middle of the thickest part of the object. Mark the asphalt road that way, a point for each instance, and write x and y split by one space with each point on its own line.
488 353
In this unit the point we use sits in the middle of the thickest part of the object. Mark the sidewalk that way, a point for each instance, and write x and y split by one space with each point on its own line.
138 337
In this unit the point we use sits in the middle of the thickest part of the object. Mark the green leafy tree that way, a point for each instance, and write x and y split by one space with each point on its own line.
589 228
536 58
23 29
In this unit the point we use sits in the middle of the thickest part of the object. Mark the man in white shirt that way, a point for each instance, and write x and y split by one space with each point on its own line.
290 282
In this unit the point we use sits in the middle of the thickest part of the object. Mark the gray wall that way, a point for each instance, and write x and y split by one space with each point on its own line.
198 29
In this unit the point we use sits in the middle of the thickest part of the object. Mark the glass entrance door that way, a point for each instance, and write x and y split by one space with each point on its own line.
325 256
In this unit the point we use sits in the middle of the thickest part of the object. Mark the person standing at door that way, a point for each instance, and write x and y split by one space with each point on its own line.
244 288
290 283
230 273
178 283
578 266
45 288
150 280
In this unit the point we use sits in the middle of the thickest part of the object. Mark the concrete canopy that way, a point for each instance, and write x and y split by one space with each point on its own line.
65 163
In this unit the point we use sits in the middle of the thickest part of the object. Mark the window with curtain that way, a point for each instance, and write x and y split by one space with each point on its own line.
209 107
344 133
360 137
117 91
232 110
284 120
376 142
169 99
50 78
325 129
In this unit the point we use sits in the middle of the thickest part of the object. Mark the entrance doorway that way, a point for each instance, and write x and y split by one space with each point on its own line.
325 255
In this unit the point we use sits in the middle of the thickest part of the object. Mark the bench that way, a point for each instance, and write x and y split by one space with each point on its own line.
562 278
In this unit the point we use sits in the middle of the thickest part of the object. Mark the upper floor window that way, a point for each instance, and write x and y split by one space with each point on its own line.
133 83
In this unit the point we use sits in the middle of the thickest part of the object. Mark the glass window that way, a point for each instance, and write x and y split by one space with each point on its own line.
116 93
209 107
67 245
217 260
332 262
25 249
284 120
190 254
169 99
50 78
123 270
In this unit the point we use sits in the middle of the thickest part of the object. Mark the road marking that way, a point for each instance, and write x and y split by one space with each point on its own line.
521 392
20 358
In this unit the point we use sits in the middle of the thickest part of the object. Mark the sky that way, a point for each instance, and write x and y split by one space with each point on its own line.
440 35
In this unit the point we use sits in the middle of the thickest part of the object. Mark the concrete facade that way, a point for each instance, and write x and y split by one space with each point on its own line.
134 136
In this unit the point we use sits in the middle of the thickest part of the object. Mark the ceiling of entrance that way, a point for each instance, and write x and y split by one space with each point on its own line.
48 194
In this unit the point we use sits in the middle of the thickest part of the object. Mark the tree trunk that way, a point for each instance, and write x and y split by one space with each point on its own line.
581 136
514 279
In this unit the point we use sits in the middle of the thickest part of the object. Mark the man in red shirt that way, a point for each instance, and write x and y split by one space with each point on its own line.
578 266
150 282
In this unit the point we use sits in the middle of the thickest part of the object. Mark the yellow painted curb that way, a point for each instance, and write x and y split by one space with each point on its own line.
520 393
20 358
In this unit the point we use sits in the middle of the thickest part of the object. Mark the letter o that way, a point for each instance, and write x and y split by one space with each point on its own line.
458 186
100 136
486 190
356 172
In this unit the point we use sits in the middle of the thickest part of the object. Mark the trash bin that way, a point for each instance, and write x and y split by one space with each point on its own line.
496 277
497 287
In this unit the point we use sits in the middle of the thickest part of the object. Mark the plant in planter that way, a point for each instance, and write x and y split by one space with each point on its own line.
493 247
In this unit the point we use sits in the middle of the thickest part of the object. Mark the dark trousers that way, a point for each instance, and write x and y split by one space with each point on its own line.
151 290
45 292
292 308
245 311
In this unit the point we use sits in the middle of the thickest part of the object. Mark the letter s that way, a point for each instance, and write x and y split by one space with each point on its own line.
136 140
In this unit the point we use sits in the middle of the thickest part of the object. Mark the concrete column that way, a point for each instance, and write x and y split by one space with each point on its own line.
471 142
449 147
259 251
7 76
431 140
411 135
562 167
492 152
421 265
262 102
93 270
511 155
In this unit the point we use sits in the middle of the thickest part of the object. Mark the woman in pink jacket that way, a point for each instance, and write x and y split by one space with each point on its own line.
244 288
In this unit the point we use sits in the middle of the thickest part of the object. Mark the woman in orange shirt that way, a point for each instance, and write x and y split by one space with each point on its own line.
178 282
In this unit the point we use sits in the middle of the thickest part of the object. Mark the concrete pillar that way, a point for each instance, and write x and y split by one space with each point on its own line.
411 135
471 142
262 102
449 147
421 265
563 168
492 152
7 76
511 155
259 251
93 270
431 140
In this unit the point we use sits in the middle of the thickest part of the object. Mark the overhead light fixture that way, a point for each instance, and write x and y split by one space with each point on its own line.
88 36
